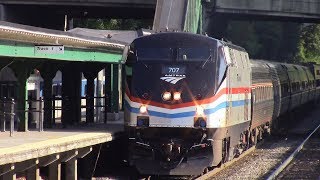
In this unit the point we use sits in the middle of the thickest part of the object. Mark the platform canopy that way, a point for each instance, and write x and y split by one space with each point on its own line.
23 41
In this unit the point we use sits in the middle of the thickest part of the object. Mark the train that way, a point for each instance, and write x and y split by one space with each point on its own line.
193 102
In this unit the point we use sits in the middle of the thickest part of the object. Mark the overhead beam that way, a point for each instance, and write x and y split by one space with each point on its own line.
104 3
16 49
22 166
84 151
67 156
45 161
6 168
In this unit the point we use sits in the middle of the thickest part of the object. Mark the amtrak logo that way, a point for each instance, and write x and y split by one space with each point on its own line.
172 80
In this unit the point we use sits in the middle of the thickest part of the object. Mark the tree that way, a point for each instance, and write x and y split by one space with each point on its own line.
266 39
113 24
309 44
242 33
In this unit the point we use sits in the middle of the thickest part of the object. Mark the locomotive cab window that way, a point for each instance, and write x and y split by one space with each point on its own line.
154 54
195 54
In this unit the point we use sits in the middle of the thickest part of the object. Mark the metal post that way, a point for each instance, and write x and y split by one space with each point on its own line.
53 109
30 115
12 117
3 116
105 108
40 115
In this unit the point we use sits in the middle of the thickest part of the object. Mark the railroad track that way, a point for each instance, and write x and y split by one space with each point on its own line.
222 167
304 162
270 158
257 162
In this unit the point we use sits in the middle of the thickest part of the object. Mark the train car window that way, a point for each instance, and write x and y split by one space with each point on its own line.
154 54
306 86
318 83
195 54
293 87
285 91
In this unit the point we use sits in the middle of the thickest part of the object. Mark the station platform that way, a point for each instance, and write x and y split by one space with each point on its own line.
33 144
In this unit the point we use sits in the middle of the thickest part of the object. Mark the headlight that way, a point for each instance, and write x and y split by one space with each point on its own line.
177 96
200 111
166 96
143 109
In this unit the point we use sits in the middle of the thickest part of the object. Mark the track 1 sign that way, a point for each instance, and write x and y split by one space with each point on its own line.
48 49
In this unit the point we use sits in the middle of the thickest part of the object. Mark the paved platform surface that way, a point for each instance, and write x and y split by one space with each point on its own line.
33 144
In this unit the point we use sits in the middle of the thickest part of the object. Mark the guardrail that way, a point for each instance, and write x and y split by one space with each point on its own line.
103 105
7 109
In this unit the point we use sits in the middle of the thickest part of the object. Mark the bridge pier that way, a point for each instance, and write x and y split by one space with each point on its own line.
55 171
71 97
115 88
71 169
48 73
9 176
22 71
33 173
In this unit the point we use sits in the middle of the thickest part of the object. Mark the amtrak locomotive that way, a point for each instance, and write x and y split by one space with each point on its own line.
193 102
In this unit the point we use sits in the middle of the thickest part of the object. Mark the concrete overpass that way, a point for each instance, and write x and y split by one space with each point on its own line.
51 13
304 10
105 3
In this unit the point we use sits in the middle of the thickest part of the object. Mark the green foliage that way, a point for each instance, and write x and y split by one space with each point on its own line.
248 39
265 39
309 44
113 24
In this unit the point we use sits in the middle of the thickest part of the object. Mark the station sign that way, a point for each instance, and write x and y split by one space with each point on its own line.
48 49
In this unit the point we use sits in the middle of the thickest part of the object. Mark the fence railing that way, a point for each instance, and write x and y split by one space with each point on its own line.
8 110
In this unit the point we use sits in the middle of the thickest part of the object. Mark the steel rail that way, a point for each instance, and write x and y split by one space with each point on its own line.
223 166
291 157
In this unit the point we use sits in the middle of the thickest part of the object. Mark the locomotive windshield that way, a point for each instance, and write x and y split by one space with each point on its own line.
151 54
174 54
194 54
